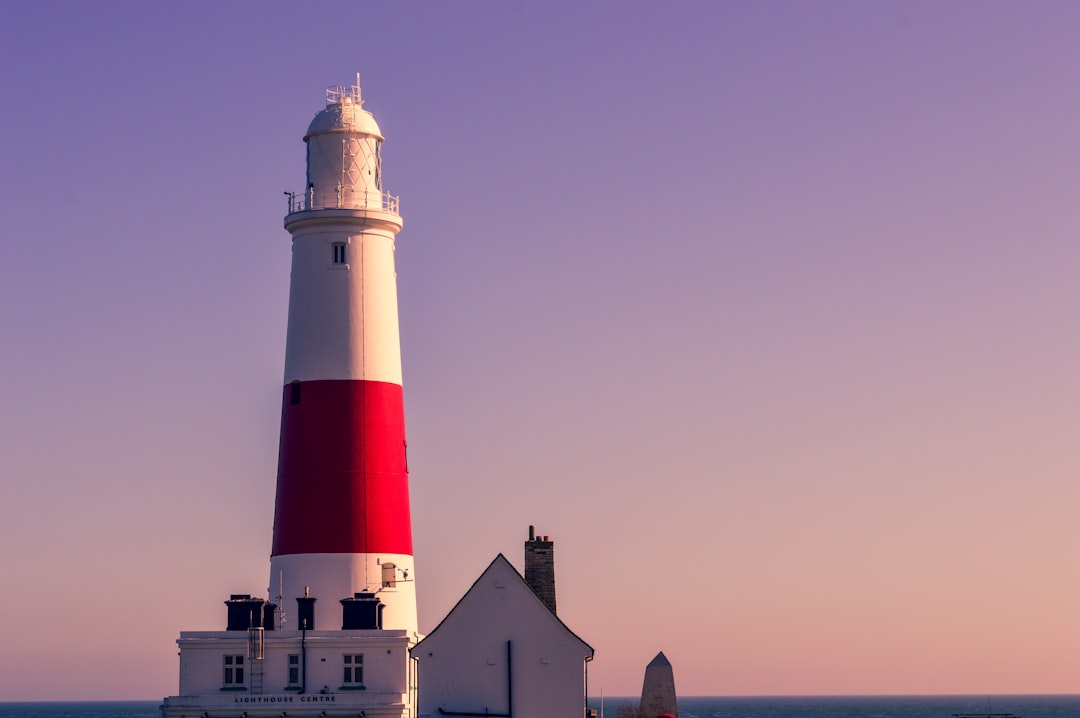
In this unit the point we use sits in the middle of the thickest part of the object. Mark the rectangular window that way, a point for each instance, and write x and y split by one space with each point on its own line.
339 252
354 670
294 669
234 672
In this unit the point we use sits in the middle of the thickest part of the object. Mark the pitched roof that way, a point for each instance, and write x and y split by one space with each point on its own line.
500 562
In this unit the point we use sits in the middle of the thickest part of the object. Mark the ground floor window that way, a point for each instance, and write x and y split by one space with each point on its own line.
234 672
294 669
354 670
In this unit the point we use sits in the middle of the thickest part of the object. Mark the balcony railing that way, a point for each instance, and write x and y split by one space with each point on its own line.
343 199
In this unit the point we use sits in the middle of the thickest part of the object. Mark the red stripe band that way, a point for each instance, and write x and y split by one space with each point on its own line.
343 483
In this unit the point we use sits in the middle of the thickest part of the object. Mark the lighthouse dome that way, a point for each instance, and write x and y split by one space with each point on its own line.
345 114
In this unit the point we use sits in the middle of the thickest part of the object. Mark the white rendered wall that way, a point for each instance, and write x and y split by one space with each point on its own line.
387 670
463 662
340 575
343 320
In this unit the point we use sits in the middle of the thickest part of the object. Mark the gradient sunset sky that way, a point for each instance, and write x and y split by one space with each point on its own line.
768 313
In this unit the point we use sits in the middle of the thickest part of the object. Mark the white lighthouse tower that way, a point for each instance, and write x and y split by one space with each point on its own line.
332 637
341 522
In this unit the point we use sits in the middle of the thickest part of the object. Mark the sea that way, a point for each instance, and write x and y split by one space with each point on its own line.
1027 706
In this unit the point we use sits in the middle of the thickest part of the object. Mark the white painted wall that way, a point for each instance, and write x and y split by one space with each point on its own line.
463 662
343 320
338 576
387 669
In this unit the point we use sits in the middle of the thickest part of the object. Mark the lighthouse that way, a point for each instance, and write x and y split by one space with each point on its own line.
336 633
341 520
332 636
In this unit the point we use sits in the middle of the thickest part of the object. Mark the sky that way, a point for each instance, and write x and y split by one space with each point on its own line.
767 313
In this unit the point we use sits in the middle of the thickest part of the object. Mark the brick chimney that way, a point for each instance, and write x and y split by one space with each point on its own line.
540 566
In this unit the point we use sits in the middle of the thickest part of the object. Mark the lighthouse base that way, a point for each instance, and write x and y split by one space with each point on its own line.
330 577
301 673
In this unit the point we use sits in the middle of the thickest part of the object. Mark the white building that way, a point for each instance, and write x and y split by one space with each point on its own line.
315 673
501 651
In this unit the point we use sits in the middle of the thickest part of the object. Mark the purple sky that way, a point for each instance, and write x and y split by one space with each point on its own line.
768 313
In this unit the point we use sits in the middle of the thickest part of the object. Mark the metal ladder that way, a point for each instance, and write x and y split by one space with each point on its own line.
255 659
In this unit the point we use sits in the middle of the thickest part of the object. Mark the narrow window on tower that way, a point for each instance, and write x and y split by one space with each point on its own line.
294 392
378 166
339 252
389 575
294 670
234 672
354 670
